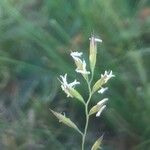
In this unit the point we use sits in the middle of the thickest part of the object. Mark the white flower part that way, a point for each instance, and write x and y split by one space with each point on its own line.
95 39
83 69
76 55
64 79
102 90
66 86
66 91
81 64
72 84
101 106
100 103
100 111
107 75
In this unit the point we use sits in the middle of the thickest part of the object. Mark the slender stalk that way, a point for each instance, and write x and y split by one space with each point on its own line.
87 116
91 77
86 126
80 132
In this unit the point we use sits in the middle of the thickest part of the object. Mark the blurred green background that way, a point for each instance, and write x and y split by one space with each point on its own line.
36 38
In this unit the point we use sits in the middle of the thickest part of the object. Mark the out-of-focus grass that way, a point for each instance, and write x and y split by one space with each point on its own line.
35 38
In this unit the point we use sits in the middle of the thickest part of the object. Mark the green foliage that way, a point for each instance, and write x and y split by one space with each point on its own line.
35 36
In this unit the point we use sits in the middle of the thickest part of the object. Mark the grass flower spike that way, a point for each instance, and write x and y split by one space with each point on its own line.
69 89
101 106
82 69
100 111
66 87
103 80
81 64
93 52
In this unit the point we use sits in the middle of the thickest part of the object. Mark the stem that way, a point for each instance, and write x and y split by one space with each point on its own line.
87 116
91 77
86 126
80 132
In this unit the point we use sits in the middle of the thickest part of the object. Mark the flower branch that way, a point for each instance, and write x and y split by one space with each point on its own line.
69 89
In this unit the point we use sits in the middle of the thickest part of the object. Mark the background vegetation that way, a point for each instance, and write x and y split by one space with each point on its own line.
36 37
